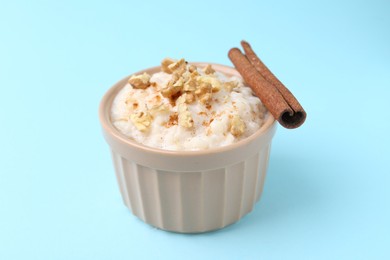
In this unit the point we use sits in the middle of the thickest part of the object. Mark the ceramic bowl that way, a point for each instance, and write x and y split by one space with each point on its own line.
188 191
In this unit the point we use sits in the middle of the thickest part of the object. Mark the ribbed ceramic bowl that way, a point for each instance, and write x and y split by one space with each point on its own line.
188 191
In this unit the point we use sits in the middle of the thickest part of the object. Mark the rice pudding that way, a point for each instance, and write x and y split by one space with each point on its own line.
184 107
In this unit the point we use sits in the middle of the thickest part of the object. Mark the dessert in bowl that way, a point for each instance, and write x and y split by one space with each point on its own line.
190 144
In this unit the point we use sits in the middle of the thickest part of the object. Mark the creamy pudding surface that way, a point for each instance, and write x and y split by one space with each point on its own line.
186 108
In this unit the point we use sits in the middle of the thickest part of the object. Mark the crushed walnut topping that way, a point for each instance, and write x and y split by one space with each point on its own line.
203 92
141 81
213 81
209 70
190 98
230 85
141 120
184 117
237 126
178 65
174 86
186 107
165 63
192 68
184 85
187 80
184 79
190 85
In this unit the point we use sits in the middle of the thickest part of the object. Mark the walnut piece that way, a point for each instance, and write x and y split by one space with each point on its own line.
192 68
237 126
190 98
208 70
173 87
141 120
203 88
184 115
185 118
194 74
140 81
165 63
180 64
230 85
190 85
205 98
203 92
213 81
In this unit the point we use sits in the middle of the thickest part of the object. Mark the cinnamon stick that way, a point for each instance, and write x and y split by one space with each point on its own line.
275 96
299 112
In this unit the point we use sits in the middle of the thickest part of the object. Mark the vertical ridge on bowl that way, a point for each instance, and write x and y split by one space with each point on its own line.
158 198
170 202
179 206
255 167
260 176
214 190
191 187
251 171
263 167
120 178
202 210
225 198
242 194
133 186
234 180
147 193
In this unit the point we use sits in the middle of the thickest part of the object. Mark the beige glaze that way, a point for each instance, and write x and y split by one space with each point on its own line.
188 191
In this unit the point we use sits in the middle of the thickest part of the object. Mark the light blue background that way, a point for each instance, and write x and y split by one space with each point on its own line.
327 193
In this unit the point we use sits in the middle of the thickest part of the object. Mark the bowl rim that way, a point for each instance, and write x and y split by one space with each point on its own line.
108 127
